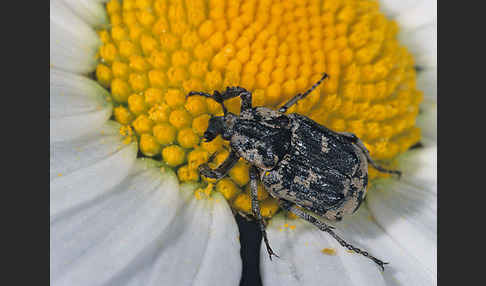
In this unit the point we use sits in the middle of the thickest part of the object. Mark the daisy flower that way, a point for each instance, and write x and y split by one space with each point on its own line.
127 204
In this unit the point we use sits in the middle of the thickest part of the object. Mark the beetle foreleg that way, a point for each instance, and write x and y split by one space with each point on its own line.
256 208
222 169
329 229
216 96
229 93
300 96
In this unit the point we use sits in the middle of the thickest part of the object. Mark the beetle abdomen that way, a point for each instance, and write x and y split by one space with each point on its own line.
322 146
322 171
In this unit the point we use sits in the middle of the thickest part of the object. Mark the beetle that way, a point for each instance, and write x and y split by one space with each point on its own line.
309 168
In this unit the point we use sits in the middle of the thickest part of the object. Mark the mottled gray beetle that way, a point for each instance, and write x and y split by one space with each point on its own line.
299 162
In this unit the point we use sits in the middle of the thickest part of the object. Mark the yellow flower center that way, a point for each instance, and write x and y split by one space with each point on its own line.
155 52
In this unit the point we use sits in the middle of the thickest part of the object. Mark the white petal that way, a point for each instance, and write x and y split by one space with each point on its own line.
142 233
69 156
200 248
403 268
420 15
73 43
222 261
77 105
116 235
407 209
419 167
422 43
87 167
427 119
302 262
427 82
393 8
92 12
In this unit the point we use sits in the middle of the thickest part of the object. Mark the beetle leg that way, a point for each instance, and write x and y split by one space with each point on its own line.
245 95
256 208
329 229
300 96
229 93
222 169
353 138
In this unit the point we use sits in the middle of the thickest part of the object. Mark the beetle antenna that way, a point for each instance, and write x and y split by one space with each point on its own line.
324 76
300 96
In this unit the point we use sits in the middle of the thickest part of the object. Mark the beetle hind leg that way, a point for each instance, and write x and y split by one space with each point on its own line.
288 206
256 209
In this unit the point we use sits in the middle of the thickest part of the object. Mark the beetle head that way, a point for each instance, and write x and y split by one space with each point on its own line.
220 125
215 128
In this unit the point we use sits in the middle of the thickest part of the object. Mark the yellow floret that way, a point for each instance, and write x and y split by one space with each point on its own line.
187 174
200 124
148 145
104 75
227 188
242 203
197 157
122 115
159 113
158 78
138 82
142 124
196 105
127 49
180 118
173 155
120 90
164 133
120 70
187 138
153 96
138 63
240 173
136 103
174 97
269 207
109 53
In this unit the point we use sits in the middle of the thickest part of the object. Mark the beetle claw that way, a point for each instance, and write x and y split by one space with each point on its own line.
206 171
211 158
382 265
270 253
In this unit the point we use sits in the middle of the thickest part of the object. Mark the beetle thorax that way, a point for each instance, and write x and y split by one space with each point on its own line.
260 138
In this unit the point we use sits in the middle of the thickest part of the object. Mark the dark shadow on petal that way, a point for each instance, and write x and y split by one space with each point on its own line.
250 240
